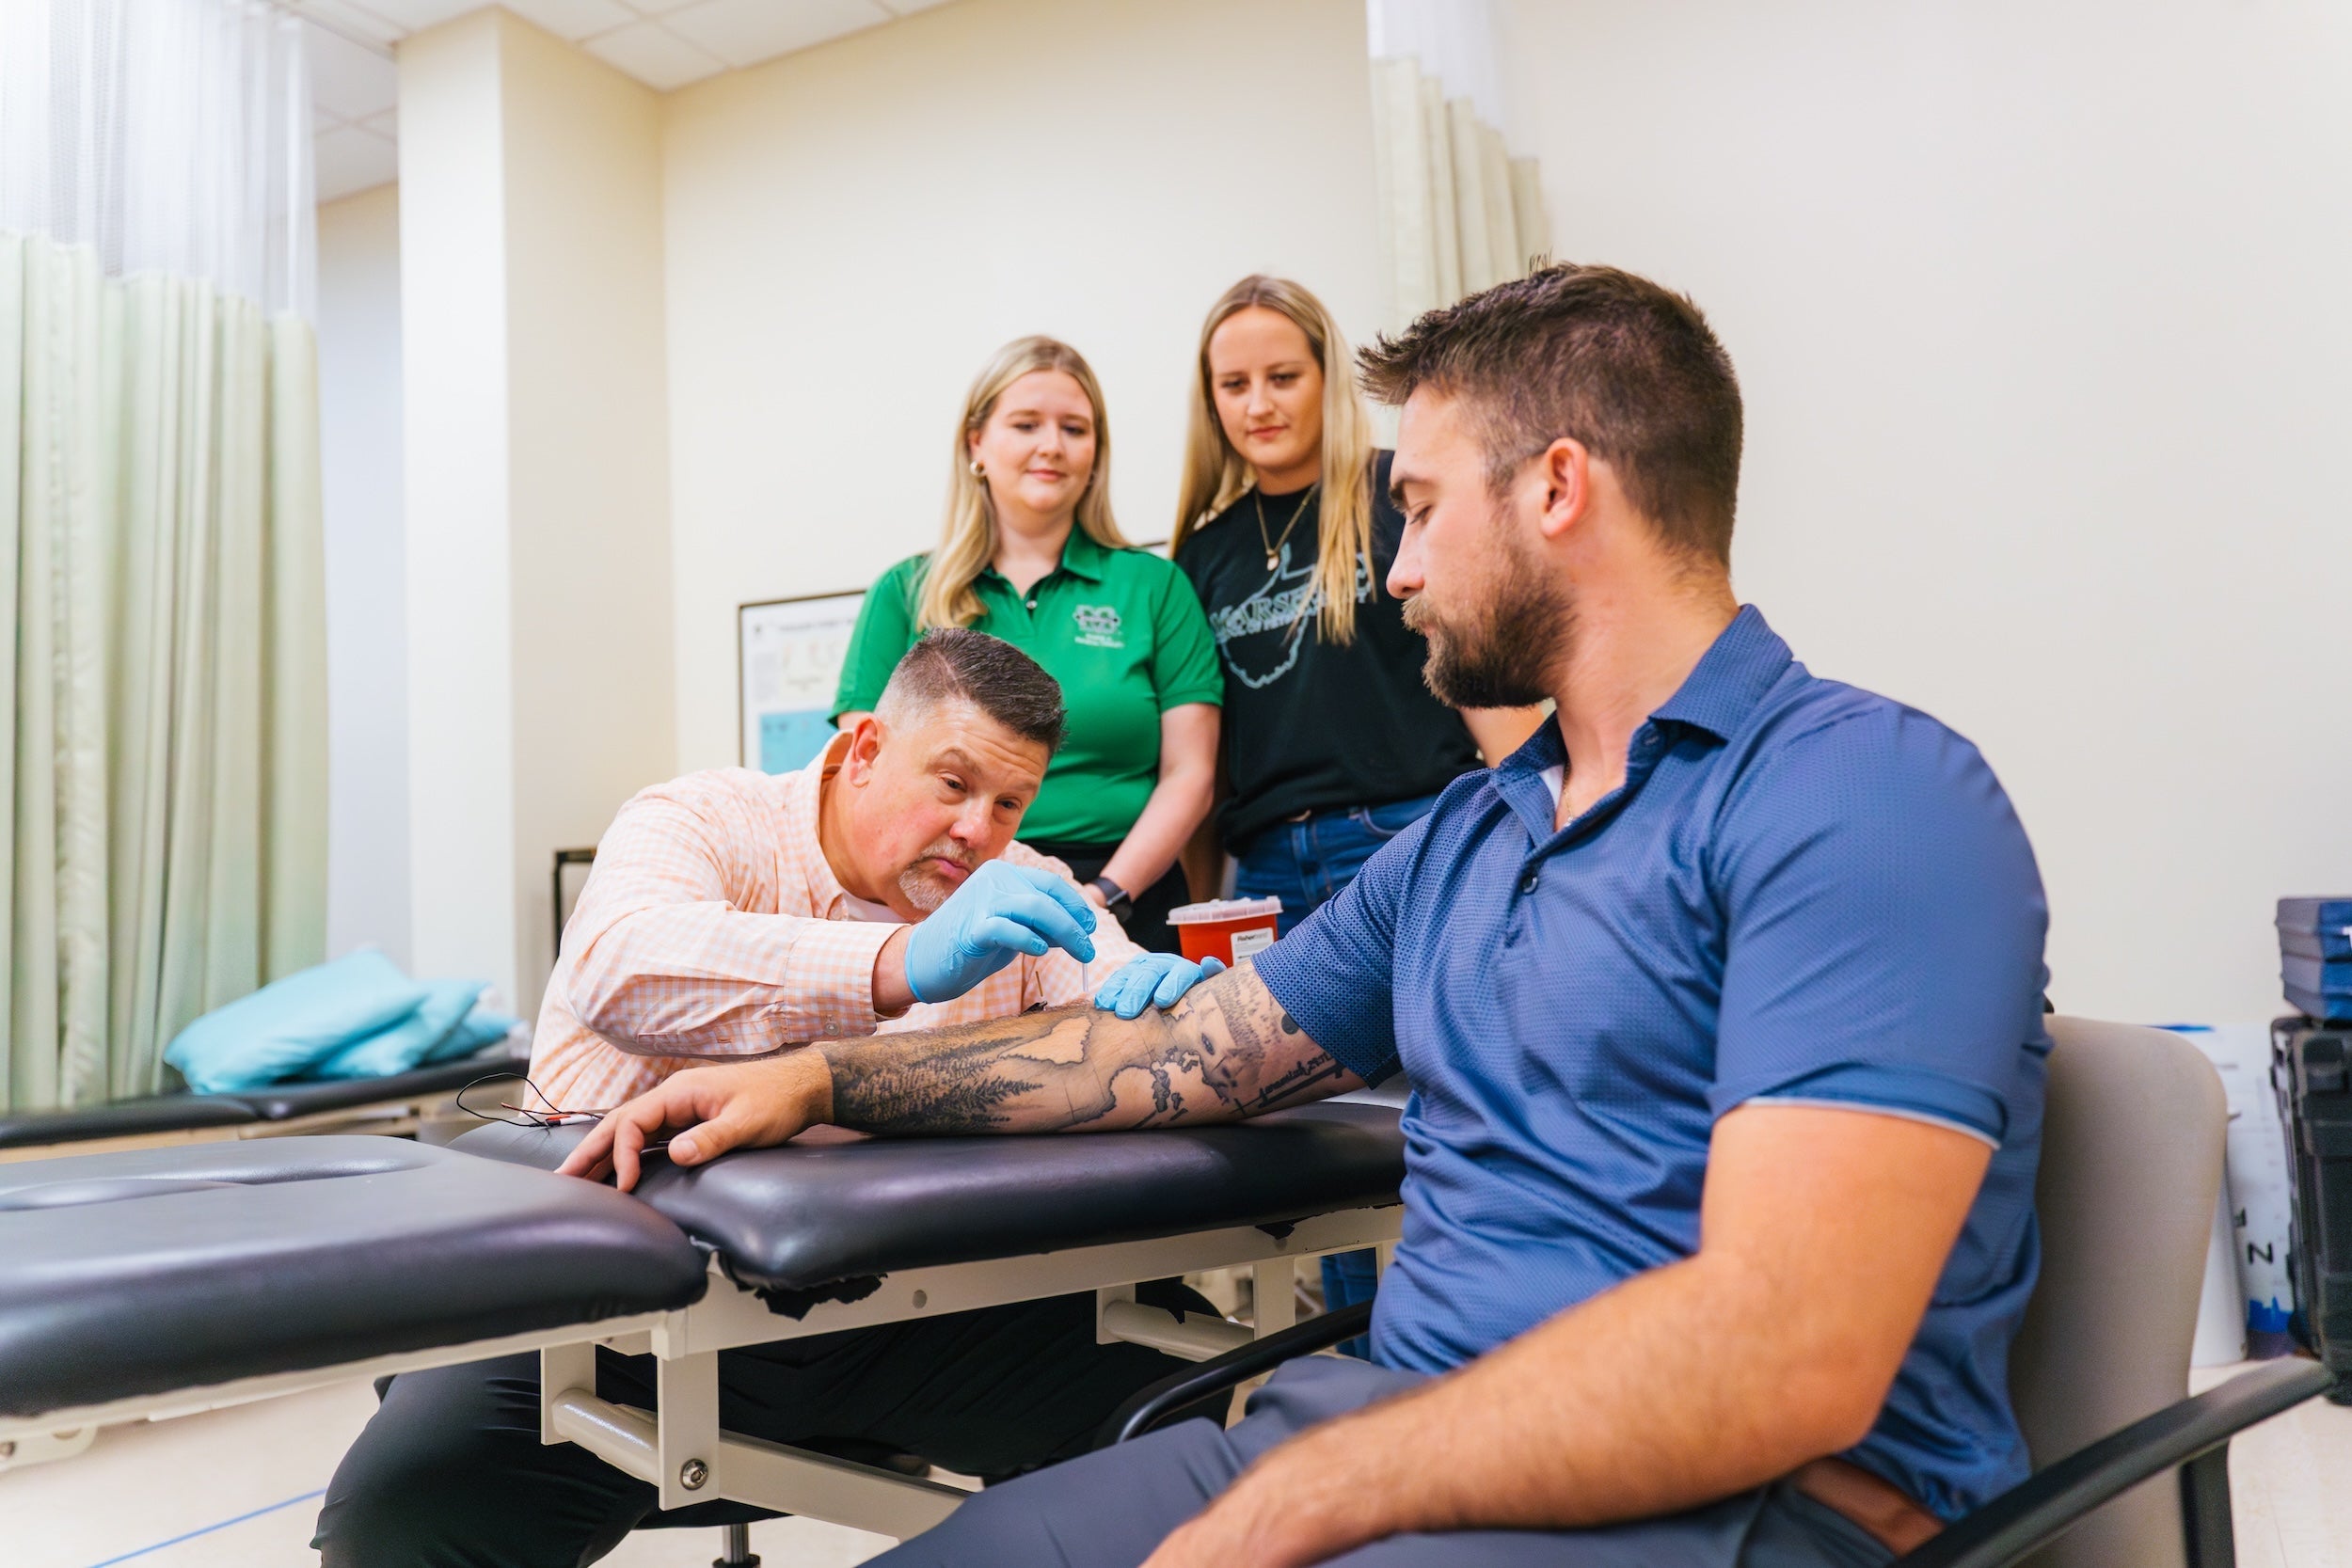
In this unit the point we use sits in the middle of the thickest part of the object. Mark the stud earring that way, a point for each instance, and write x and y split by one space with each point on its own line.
978 472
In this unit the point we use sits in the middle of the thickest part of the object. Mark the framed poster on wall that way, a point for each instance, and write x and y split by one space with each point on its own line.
789 653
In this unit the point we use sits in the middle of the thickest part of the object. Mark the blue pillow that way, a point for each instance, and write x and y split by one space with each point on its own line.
411 1041
478 1029
291 1024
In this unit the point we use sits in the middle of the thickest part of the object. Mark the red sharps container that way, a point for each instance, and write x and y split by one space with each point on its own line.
1227 929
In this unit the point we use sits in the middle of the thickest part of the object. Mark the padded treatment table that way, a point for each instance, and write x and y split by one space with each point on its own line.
281 1108
831 1213
158 1281
149 1117
155 1269
295 1102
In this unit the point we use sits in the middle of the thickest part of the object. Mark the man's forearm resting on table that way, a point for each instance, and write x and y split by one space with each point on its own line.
1227 1051
1824 1233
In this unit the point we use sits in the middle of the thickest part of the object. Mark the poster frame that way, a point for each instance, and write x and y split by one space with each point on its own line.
742 657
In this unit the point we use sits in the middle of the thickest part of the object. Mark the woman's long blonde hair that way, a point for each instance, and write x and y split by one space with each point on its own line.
967 540
1216 476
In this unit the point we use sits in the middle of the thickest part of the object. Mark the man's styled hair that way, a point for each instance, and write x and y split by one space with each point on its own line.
1598 356
987 672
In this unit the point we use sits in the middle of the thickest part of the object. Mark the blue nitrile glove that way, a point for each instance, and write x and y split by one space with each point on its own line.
1155 980
999 910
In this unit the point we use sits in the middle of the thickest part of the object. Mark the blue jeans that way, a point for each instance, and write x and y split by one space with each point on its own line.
1306 864
1109 1509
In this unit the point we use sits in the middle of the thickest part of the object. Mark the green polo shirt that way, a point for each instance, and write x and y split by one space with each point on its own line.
1123 633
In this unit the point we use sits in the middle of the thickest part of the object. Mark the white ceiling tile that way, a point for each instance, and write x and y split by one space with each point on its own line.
351 18
658 59
417 15
348 80
573 19
654 8
349 159
745 32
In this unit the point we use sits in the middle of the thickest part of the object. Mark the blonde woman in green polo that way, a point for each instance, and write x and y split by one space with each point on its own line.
1030 553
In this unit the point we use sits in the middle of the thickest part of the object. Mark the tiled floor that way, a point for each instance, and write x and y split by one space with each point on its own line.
2286 1485
237 1489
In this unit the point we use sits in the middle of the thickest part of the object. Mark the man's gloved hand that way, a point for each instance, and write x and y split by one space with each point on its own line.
999 910
1155 980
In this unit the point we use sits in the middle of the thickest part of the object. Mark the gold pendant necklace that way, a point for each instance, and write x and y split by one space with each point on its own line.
1274 547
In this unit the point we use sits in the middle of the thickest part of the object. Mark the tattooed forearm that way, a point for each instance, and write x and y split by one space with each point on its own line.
1267 1062
1227 1051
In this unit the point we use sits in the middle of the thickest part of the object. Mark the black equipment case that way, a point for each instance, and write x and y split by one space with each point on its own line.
2311 1070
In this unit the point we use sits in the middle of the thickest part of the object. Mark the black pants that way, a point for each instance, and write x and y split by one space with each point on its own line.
451 1473
1109 1509
1148 926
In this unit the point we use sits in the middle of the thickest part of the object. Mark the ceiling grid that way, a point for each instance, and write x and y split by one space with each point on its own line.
665 44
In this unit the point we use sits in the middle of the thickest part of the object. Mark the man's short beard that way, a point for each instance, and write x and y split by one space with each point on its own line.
927 889
1506 648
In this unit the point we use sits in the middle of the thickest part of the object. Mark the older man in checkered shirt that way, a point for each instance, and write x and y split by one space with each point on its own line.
732 914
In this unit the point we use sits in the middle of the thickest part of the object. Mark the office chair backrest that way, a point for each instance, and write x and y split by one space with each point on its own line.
2131 1165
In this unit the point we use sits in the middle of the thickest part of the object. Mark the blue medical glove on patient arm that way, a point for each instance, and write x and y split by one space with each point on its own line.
1155 980
999 910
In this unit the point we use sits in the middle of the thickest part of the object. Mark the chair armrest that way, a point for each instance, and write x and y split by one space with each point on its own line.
2035 1511
1154 1405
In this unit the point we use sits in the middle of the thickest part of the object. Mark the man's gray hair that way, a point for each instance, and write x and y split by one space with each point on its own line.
987 672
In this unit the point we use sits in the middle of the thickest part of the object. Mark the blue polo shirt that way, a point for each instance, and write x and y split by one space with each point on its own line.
1803 892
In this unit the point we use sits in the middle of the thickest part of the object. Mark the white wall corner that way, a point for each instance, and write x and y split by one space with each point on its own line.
538 466
454 409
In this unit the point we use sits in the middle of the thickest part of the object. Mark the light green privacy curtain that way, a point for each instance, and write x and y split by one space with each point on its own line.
162 764
1459 213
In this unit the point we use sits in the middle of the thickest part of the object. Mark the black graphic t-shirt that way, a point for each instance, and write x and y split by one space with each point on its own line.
1310 726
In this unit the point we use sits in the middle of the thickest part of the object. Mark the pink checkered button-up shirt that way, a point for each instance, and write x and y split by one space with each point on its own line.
712 929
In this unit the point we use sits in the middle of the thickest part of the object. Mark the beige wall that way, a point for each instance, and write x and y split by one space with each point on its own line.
852 231
2041 319
538 477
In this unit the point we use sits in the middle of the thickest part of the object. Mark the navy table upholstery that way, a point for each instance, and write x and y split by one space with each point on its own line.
815 1213
285 1102
145 1271
191 1112
123 1119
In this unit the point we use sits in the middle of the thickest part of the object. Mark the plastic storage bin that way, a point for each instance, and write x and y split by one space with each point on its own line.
2316 955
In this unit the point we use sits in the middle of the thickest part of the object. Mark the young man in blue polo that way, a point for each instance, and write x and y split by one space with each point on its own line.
1721 1003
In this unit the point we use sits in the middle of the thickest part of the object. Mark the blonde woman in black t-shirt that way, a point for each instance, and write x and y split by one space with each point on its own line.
1333 746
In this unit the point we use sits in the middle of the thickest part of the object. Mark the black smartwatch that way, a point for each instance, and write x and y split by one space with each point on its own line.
1115 898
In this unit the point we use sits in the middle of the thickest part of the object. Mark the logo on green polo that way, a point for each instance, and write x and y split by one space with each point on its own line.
1097 626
